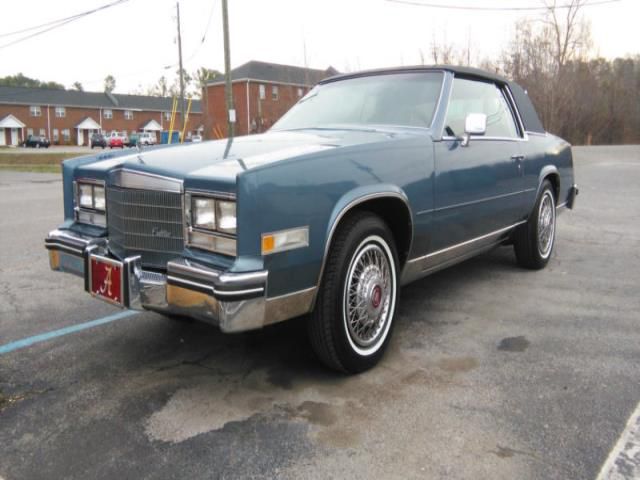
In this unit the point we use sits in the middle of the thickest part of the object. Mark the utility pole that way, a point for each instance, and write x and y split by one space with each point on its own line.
231 112
181 71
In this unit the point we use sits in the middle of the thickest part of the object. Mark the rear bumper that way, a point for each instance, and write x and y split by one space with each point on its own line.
573 193
570 199
233 301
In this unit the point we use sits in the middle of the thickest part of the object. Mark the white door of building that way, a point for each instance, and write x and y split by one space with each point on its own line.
14 136
3 140
80 137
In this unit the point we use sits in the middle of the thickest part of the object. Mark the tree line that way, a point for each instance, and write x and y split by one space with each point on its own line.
586 100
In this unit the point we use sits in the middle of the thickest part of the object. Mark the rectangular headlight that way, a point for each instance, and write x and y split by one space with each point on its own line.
91 196
99 202
203 212
90 203
213 224
226 218
85 195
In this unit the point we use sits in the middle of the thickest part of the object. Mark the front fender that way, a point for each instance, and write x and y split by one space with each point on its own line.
351 200
357 196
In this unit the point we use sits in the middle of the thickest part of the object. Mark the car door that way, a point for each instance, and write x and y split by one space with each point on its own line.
477 186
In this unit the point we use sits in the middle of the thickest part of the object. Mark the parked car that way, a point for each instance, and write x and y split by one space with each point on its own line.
98 140
196 138
131 140
371 181
37 141
116 140
147 138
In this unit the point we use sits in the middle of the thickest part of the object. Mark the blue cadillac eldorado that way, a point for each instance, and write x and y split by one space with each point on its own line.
370 181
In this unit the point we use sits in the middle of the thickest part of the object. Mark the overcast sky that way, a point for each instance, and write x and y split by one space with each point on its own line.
134 41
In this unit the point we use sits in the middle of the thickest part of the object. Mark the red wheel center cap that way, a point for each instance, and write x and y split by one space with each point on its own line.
376 296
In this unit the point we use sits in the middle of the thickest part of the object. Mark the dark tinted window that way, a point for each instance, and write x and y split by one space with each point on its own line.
407 99
471 96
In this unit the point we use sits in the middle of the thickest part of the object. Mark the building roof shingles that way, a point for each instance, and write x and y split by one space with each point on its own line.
276 73
74 98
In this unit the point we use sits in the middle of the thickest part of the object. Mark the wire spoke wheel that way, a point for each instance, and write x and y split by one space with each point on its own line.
352 322
369 296
546 224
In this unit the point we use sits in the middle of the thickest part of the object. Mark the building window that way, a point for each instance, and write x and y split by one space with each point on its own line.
167 116
66 134
262 91
128 115
107 114
35 110
300 92
60 112
29 132
274 92
56 135
42 132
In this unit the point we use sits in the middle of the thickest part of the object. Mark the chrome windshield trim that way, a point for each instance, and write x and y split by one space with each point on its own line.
440 98
125 178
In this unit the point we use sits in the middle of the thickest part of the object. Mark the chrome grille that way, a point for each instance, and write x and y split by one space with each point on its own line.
146 223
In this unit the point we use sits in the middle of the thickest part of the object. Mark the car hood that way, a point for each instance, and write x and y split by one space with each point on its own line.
225 159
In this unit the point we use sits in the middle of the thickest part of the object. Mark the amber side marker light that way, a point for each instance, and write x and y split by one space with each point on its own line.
284 240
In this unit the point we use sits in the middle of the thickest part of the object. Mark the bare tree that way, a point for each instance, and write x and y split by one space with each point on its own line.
109 83
442 53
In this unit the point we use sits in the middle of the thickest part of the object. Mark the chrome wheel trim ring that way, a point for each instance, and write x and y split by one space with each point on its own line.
369 295
546 224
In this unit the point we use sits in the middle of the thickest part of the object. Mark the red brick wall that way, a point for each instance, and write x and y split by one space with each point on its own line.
262 113
73 116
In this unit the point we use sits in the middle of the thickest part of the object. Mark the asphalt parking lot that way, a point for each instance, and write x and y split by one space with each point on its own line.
493 372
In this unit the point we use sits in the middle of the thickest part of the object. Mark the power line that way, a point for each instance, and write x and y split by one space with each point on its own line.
77 15
54 24
497 9
202 40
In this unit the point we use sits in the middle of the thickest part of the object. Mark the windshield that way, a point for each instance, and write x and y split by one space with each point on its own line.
405 99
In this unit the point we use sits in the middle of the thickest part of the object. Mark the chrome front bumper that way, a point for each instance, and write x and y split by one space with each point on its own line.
234 301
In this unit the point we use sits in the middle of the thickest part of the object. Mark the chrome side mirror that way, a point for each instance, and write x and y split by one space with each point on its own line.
474 124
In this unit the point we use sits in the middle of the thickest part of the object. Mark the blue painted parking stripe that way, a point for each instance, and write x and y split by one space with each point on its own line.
43 337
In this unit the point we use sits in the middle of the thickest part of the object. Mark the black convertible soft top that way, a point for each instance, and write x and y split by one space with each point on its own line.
527 111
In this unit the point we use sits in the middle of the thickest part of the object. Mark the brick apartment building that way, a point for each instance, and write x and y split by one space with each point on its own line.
262 93
69 117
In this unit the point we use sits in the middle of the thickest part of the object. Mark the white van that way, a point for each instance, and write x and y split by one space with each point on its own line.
147 138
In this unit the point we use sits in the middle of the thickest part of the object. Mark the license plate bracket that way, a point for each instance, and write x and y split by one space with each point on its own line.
106 279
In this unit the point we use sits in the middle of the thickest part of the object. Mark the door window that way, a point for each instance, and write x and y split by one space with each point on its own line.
473 96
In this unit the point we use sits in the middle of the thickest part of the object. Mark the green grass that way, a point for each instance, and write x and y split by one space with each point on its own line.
28 158
32 168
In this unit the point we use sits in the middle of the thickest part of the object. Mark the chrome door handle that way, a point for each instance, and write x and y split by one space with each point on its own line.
518 157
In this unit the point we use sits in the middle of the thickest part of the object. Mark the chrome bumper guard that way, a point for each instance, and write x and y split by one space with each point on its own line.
234 301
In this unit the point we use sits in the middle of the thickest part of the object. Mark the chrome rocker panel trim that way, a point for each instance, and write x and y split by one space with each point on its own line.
419 267
235 302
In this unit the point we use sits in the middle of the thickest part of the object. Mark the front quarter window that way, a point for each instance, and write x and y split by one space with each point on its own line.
395 99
